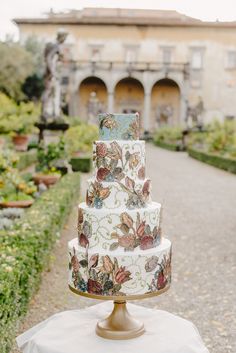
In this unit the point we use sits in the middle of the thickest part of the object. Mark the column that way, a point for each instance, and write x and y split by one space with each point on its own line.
110 105
147 111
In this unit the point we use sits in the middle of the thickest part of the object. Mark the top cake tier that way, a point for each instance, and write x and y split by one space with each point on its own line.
118 126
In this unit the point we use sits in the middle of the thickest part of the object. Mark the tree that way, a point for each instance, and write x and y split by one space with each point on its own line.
16 65
34 84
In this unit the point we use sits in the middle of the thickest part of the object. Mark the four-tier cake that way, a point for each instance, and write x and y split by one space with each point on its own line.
119 250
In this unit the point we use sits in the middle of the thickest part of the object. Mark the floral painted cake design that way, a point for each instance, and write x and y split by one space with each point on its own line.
120 250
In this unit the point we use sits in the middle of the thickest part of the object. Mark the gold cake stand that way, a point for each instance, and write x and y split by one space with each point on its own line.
119 325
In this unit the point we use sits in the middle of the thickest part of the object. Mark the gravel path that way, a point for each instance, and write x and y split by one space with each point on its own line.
200 219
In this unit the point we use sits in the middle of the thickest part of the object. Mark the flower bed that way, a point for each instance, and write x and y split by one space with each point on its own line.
25 250
218 161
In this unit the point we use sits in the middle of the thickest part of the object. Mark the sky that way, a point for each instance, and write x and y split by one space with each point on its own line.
208 10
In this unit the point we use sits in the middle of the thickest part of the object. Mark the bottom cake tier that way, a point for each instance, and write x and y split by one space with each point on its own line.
117 273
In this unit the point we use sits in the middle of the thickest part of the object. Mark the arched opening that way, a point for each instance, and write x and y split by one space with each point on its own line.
129 97
92 98
165 103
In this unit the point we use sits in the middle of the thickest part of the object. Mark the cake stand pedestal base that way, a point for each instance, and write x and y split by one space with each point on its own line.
120 325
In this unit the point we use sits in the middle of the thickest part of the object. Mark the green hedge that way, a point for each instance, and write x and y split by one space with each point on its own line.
212 159
81 164
25 251
169 146
26 159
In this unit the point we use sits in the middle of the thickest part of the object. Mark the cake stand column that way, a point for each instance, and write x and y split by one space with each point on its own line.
120 325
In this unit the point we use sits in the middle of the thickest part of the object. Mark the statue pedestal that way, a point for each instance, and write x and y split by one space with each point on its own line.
54 126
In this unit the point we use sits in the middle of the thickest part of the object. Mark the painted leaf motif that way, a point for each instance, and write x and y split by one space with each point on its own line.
146 188
101 149
146 242
84 263
104 193
124 228
141 173
93 261
107 264
102 173
116 150
114 246
138 220
119 176
151 264
80 216
83 240
147 229
126 219
113 164
127 241
117 171
134 160
129 183
127 155
114 235
99 162
141 229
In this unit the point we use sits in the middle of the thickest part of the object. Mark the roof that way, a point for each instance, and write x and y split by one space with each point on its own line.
118 16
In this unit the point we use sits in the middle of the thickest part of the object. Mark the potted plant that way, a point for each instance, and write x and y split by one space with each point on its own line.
48 156
18 120
14 190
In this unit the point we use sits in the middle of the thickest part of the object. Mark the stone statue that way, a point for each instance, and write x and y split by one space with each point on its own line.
194 114
164 114
51 99
94 108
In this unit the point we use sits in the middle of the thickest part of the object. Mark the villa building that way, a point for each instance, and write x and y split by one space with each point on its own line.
163 64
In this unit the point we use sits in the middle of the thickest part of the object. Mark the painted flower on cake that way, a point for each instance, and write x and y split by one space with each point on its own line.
131 234
111 161
96 194
105 276
122 275
108 121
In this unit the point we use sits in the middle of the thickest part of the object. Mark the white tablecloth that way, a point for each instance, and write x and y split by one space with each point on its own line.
74 332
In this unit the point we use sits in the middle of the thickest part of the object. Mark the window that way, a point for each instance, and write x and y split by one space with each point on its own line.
197 59
167 55
131 52
231 59
95 54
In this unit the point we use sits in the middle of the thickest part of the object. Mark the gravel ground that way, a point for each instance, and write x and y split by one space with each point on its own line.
199 218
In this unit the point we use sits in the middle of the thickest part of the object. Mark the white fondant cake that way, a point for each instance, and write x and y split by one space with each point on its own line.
119 250
119 273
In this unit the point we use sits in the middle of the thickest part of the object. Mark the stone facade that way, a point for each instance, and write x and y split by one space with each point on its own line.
160 63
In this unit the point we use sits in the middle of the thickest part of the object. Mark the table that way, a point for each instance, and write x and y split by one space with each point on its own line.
74 331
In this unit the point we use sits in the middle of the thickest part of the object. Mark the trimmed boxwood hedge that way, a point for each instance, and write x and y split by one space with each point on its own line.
81 164
26 159
25 251
212 159
169 146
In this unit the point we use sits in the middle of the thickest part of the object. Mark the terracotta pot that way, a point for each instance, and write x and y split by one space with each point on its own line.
20 142
17 204
46 179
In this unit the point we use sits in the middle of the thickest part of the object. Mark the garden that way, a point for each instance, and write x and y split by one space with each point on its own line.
39 185
215 144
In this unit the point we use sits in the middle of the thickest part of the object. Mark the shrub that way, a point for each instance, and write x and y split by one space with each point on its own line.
81 164
169 137
80 138
221 162
26 159
19 118
25 250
